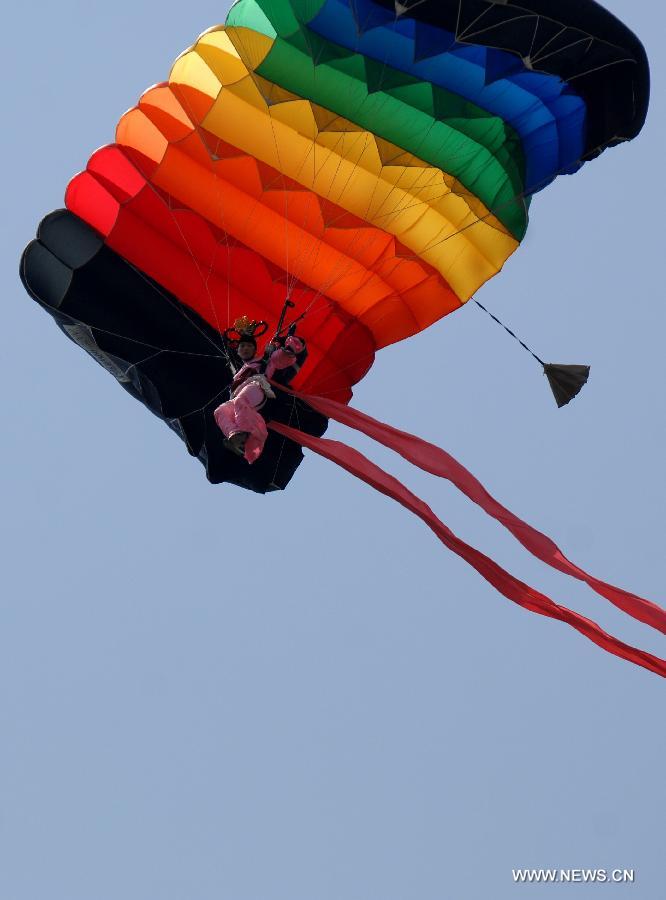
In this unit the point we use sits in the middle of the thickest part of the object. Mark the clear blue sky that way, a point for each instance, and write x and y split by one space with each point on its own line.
198 703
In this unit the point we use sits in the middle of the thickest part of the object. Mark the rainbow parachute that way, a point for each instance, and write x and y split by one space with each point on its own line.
372 161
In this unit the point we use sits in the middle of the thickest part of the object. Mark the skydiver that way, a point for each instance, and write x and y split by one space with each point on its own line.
238 418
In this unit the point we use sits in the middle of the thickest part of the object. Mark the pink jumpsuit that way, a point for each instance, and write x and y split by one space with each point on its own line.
249 391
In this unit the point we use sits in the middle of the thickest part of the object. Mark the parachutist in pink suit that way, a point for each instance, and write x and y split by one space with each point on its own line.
239 419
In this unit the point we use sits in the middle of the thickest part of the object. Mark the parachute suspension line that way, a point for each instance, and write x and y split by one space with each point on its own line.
197 264
167 204
282 179
565 380
415 188
292 277
291 265
319 309
228 238
222 351
341 269
508 331
177 308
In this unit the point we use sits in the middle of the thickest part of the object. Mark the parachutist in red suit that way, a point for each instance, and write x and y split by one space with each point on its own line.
239 418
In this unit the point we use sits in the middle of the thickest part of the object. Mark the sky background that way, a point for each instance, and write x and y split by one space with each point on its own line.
199 703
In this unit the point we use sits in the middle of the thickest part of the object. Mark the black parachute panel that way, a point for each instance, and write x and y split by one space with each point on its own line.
159 351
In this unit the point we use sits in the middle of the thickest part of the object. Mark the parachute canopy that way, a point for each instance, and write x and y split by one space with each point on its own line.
372 161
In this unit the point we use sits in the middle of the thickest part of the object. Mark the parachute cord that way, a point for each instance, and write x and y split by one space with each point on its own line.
508 331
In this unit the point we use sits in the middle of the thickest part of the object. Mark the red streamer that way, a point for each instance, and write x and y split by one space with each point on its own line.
438 462
522 594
